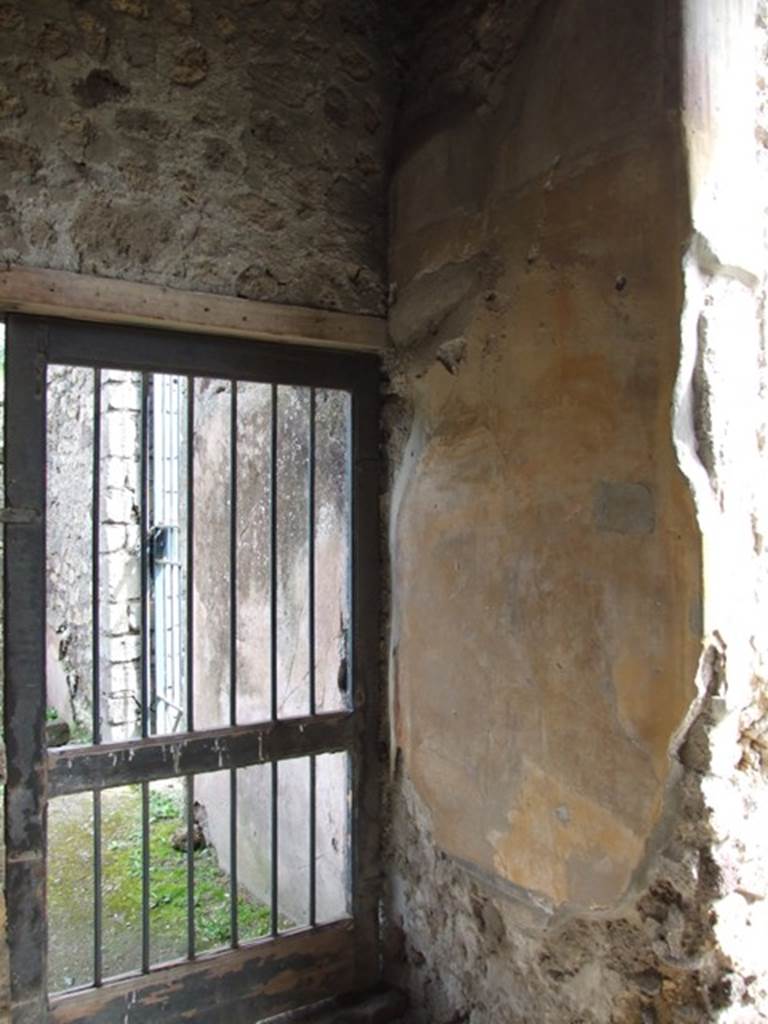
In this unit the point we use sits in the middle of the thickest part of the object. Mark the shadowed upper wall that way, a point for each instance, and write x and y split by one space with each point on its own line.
233 147
545 568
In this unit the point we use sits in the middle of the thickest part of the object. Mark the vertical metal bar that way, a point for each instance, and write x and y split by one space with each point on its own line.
233 881
311 488
95 555
143 553
145 639
273 554
97 900
233 884
24 666
273 901
273 656
145 877
191 938
233 557
189 660
96 668
312 841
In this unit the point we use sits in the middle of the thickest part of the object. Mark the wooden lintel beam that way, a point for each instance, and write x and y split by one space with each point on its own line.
59 293
79 769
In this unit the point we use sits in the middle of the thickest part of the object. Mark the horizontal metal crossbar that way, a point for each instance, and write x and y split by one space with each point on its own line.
79 769
78 344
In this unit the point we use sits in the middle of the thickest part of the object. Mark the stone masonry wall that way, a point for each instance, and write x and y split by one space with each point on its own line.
235 147
68 627
554 688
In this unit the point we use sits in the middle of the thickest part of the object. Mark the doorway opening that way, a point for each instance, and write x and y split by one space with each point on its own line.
190 627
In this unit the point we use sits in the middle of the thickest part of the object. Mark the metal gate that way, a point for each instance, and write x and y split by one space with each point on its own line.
296 962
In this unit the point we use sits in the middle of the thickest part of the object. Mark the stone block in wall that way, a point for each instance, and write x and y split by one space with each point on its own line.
124 587
126 648
120 505
124 616
119 472
120 435
122 395
112 541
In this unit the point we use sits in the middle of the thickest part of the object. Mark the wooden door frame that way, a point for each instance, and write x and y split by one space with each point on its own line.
260 979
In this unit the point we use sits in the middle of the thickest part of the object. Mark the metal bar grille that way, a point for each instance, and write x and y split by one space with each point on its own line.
95 679
273 555
311 496
145 660
233 923
177 383
189 659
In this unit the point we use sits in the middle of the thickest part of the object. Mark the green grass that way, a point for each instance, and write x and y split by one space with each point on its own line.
71 886
168 880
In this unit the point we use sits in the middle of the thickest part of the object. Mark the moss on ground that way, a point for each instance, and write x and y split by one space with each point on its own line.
70 886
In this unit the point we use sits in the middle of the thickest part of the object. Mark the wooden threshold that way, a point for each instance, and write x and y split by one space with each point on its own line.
238 987
60 293
383 1006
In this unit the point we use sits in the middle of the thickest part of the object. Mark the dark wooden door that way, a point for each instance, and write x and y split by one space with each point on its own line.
294 963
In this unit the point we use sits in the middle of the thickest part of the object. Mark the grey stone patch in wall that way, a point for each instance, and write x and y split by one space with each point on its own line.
78 132
18 157
10 104
426 302
489 920
98 87
220 156
134 8
258 281
627 508
9 229
10 18
53 42
139 49
142 122
180 12
451 354
226 26
336 106
355 63
274 80
191 66
35 78
371 118
313 9
94 35
118 236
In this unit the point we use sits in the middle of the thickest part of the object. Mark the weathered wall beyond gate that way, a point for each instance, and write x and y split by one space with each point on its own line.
550 731
234 147
254 624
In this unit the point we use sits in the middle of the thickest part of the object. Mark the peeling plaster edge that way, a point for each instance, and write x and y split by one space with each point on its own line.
699 265
413 449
